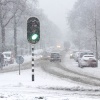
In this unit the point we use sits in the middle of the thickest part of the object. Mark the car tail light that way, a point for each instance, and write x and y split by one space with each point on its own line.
93 60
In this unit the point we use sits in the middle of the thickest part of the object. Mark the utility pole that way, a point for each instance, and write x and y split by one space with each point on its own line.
15 30
96 39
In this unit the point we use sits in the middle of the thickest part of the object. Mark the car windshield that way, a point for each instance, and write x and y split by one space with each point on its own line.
7 55
88 56
54 54
46 45
86 53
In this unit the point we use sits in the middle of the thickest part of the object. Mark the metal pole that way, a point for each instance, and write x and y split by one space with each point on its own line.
19 65
32 62
19 69
96 37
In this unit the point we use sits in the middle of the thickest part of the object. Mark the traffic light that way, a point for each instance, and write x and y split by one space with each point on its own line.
33 30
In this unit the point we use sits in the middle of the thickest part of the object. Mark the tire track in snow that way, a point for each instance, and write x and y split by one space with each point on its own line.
58 70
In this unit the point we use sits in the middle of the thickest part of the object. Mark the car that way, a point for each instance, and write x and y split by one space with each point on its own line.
5 61
87 61
46 55
9 56
71 56
82 53
55 57
76 56
1 60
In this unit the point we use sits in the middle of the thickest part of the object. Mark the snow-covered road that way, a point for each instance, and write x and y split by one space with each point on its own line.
45 87
68 69
73 65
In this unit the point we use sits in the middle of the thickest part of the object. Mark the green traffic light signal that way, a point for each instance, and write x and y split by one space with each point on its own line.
33 30
34 36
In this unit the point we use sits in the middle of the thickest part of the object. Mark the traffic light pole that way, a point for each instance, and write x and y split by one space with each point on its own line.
33 36
32 62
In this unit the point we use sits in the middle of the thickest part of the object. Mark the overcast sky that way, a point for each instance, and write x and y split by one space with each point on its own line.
57 10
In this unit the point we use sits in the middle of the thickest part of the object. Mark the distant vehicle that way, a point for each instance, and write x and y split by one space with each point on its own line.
55 57
46 55
76 56
87 61
1 60
71 56
5 61
9 56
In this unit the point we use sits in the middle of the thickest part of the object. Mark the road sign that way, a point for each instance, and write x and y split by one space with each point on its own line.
19 59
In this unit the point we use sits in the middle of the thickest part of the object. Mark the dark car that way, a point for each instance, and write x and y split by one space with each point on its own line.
1 60
55 57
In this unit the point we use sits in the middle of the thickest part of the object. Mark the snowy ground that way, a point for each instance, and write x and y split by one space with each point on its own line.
20 87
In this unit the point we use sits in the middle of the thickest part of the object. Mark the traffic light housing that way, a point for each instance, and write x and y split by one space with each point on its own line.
33 30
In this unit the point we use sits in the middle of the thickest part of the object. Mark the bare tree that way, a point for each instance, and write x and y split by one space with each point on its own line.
5 17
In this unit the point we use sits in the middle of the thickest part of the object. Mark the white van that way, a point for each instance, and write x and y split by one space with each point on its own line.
9 56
